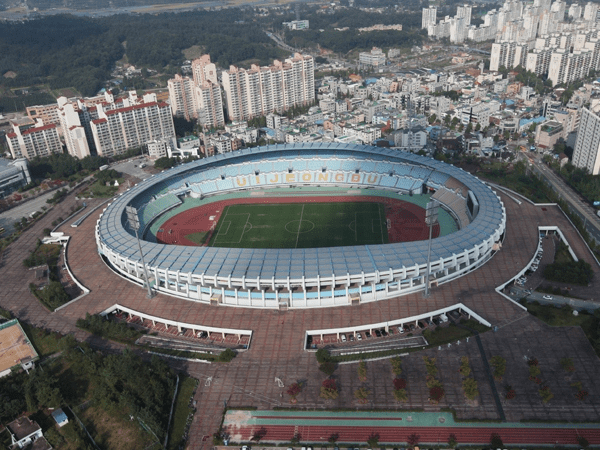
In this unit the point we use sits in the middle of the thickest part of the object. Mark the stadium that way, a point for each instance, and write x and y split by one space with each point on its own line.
201 223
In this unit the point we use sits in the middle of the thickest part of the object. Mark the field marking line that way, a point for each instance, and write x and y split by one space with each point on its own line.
299 225
244 228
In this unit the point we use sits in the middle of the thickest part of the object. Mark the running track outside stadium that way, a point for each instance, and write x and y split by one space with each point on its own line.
407 219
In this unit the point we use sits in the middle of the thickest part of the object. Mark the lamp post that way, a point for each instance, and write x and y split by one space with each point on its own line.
431 218
134 224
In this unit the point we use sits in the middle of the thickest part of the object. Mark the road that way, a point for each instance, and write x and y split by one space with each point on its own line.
279 42
582 209
9 217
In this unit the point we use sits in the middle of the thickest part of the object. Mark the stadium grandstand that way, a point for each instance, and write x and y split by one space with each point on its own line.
279 278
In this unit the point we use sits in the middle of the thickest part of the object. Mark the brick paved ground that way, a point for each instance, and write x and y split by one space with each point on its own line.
276 349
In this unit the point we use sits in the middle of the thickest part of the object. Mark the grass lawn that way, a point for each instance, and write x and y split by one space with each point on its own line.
115 431
562 254
44 342
301 225
181 411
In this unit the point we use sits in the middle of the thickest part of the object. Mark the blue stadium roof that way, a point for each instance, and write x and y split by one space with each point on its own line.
296 263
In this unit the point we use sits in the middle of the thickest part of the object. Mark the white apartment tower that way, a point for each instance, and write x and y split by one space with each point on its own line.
200 97
587 146
117 130
429 17
507 54
72 129
210 104
590 12
262 90
38 140
182 97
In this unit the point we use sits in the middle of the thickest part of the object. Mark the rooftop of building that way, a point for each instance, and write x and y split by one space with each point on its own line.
22 427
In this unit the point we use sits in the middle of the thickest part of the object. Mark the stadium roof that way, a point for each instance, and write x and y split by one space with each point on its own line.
298 263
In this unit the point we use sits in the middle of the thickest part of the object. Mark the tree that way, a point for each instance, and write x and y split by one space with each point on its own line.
328 367
333 438
583 442
329 390
294 390
413 440
362 371
452 441
496 441
362 395
165 162
322 355
499 365
373 440
465 369
432 119
396 362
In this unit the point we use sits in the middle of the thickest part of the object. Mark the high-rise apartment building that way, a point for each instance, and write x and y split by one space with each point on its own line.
587 146
72 129
210 104
507 54
262 90
117 130
429 17
200 97
182 97
38 140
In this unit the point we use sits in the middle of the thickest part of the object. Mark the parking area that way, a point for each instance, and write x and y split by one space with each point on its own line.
385 337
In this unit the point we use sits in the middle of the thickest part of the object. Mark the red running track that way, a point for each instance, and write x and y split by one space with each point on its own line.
407 219
430 435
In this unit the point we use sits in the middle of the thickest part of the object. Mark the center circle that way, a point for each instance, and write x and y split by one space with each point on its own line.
299 226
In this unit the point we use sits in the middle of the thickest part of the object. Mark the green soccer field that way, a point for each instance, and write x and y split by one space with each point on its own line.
301 225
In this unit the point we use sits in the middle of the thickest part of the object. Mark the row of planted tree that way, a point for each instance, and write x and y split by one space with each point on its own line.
329 389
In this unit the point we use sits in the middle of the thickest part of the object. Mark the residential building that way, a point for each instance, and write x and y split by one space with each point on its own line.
414 139
24 432
263 90
117 130
297 25
47 113
429 17
586 153
507 54
37 140
158 149
182 97
210 104
72 129
374 58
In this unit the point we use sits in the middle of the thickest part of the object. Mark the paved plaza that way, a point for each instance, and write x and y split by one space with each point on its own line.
277 344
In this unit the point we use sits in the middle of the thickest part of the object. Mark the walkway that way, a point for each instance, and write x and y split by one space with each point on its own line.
276 350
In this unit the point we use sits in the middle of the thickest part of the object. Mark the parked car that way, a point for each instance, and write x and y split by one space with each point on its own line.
400 329
343 337
377 333
358 337
367 335
383 332
547 297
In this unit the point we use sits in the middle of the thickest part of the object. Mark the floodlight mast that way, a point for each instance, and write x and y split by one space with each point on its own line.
431 218
134 223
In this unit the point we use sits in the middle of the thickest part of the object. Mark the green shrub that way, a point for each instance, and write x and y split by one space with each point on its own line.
226 355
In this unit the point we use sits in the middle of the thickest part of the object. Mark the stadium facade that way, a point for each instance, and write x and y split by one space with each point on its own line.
303 278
